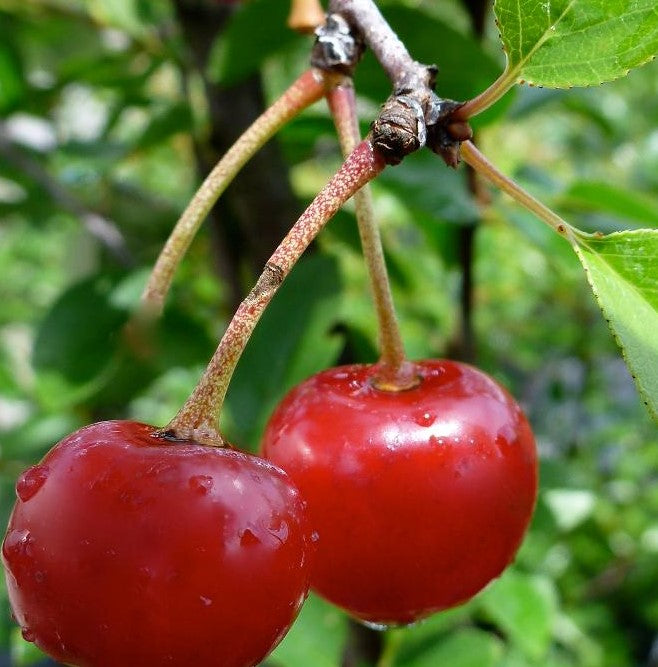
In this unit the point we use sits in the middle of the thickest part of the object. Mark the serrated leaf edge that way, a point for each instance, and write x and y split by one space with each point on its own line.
577 245
511 72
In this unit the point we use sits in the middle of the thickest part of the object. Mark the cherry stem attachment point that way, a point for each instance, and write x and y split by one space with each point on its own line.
199 415
472 156
394 371
306 90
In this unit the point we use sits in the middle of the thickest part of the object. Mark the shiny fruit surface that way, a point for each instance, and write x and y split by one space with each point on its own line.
126 548
420 497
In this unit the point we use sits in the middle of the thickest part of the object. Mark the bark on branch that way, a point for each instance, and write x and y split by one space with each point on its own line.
414 115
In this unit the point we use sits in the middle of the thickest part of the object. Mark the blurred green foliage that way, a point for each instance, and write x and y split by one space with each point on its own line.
99 112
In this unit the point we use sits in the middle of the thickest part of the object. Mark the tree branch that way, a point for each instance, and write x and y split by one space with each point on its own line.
414 115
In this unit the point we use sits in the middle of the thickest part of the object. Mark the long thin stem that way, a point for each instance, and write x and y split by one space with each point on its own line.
308 88
197 419
486 98
394 371
479 162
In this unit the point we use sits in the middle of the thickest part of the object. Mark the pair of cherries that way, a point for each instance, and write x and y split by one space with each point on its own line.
126 547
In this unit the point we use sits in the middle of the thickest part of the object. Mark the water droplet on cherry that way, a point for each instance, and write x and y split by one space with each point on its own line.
375 626
18 543
424 418
201 484
248 538
31 481
279 531
28 635
205 601
315 536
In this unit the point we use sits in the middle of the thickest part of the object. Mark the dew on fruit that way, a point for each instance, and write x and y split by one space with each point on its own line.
354 385
206 602
31 481
506 435
279 531
39 577
201 484
18 543
381 627
248 538
424 418
27 634
315 536
436 441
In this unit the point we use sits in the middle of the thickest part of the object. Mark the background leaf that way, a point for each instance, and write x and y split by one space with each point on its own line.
612 199
256 30
463 648
523 608
80 334
623 272
560 43
315 639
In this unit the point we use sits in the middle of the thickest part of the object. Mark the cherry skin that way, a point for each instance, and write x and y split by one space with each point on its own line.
126 548
420 497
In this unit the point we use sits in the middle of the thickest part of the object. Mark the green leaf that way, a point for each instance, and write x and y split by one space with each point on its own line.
169 121
622 270
79 336
561 43
123 14
316 638
463 648
292 341
34 438
257 30
524 608
427 189
570 507
23 653
12 86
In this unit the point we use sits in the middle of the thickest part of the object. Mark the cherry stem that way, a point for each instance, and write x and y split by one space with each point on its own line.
305 15
472 156
198 418
487 97
394 371
306 90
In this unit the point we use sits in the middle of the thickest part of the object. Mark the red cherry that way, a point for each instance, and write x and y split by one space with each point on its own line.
125 548
420 497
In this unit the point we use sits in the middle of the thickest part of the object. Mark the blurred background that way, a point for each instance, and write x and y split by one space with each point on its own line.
111 113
